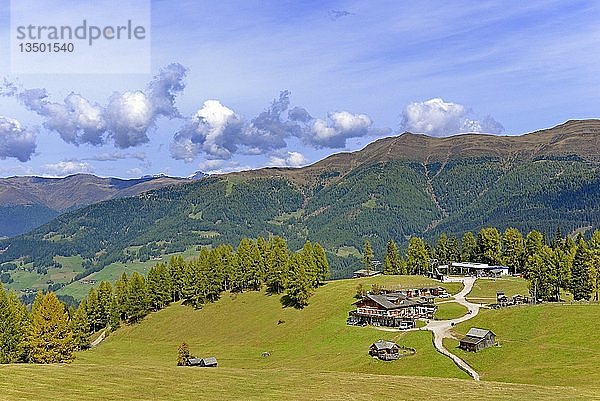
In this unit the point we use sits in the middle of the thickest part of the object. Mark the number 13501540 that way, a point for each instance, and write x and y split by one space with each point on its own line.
46 47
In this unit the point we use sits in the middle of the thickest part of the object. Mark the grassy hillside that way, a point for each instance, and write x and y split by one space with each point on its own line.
314 355
449 310
485 290
543 344
240 327
93 382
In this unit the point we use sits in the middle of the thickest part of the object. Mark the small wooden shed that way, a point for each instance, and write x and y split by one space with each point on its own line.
477 339
384 350
210 362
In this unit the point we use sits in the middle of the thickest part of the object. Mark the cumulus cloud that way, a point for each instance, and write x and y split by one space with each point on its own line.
63 168
299 114
214 129
15 140
217 166
288 159
218 132
125 120
339 127
269 131
436 117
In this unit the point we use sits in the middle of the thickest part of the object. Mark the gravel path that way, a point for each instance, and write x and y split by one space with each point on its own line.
442 328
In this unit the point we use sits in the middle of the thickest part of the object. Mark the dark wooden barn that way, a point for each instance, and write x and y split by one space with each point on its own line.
477 339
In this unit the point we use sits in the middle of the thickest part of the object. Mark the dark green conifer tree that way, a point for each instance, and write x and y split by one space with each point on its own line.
581 284
137 298
277 274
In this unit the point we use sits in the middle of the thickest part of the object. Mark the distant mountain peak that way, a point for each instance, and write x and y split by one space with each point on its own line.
197 175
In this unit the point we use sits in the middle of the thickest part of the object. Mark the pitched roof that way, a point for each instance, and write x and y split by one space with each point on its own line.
478 333
210 361
382 344
471 340
384 301
194 361
389 301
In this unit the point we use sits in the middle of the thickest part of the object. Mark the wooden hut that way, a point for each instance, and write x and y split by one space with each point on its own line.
477 339
385 350
203 362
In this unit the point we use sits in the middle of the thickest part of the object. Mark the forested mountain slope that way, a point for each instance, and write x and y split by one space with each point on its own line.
28 202
393 188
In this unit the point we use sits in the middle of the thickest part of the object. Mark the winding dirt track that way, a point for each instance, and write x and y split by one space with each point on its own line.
442 328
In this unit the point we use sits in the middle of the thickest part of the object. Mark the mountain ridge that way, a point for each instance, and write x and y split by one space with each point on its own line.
426 149
393 188
27 202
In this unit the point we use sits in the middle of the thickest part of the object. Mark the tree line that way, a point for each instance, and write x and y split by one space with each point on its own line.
561 263
51 332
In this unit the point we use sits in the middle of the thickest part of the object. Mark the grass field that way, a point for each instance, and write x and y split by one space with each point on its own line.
239 328
23 278
113 271
316 356
92 382
449 310
484 290
541 344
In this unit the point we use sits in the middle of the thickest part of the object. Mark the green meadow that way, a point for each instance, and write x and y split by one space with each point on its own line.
314 355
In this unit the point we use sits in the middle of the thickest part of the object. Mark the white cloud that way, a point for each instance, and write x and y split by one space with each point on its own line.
126 119
128 116
289 159
15 140
135 172
436 117
218 132
219 166
64 168
341 125
212 165
214 129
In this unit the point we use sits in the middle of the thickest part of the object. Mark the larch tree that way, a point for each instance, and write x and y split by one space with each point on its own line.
489 246
453 249
105 296
468 251
595 272
278 266
121 295
300 285
534 242
13 323
80 325
442 249
183 354
513 250
93 310
391 262
417 258
322 263
50 337
159 291
176 268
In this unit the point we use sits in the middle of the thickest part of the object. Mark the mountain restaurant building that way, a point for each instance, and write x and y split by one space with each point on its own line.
390 310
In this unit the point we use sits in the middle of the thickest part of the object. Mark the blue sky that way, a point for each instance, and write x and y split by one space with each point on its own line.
355 71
